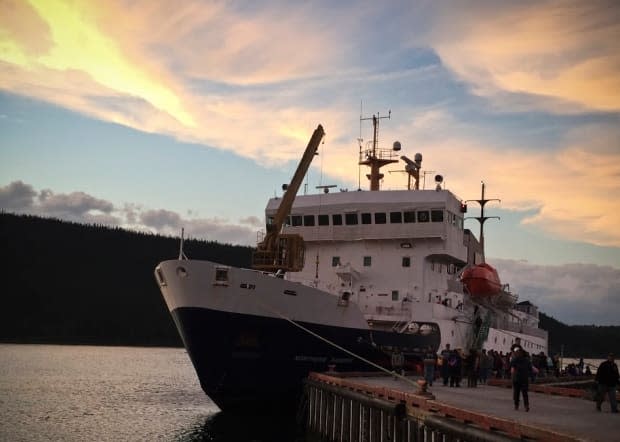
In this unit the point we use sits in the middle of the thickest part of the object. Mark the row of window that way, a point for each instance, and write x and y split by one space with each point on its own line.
354 218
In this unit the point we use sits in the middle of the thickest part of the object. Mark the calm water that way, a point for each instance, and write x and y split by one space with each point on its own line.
77 393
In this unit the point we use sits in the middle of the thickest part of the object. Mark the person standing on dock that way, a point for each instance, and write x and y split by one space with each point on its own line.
607 378
430 360
398 361
445 371
520 369
454 368
486 364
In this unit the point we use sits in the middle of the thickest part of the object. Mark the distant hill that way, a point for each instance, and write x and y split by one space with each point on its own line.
587 341
71 283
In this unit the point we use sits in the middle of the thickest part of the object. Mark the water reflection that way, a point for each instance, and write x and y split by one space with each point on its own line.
245 427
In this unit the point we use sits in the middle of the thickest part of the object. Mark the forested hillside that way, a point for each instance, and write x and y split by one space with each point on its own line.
71 283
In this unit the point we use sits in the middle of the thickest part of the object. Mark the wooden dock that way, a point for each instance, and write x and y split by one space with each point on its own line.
361 408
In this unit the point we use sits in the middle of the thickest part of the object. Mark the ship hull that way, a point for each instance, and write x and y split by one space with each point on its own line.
246 358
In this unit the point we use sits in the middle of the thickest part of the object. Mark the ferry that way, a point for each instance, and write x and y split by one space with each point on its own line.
341 280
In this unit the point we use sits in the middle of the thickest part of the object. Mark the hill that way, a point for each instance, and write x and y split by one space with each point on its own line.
73 283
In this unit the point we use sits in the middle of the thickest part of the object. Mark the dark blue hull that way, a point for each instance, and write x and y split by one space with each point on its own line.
243 360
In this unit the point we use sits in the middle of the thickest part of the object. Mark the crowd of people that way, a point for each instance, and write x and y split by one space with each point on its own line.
455 367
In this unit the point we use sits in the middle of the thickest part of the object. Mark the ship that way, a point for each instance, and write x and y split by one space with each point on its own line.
340 281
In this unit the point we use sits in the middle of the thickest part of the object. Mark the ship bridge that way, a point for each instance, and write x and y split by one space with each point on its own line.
351 216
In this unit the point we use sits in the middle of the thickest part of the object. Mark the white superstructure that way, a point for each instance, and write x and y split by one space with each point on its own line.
397 254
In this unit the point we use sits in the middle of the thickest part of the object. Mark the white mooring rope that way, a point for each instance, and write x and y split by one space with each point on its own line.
333 344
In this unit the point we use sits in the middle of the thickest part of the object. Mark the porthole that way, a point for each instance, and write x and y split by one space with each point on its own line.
181 272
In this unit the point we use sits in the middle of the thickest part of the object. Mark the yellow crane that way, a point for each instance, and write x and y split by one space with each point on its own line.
285 252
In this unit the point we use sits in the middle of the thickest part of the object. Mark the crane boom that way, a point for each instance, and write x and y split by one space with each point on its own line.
285 252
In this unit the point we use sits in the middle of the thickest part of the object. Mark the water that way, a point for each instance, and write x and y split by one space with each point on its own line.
77 393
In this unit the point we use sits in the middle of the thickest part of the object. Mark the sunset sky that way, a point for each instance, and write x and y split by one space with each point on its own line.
155 115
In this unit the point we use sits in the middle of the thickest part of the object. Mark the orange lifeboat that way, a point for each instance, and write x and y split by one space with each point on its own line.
481 280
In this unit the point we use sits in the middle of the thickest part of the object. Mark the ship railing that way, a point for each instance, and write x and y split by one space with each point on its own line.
382 154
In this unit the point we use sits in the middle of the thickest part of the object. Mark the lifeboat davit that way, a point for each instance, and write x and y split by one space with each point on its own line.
481 280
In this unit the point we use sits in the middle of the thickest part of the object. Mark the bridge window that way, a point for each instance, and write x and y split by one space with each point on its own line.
337 219
335 261
396 217
380 218
366 218
437 216
367 261
296 220
323 220
394 295
409 216
308 220
350 219
406 261
423 216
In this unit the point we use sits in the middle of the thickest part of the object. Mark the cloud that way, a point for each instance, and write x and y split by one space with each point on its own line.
160 219
253 221
73 204
577 294
564 54
17 195
81 207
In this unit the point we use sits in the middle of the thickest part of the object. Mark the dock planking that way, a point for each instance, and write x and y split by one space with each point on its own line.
483 413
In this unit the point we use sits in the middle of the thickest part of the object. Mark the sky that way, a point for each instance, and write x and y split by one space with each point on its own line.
155 115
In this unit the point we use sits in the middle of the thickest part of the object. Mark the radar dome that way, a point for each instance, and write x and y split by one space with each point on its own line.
438 178
418 157
396 146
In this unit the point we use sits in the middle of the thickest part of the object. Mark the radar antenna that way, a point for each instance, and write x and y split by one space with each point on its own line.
412 168
374 157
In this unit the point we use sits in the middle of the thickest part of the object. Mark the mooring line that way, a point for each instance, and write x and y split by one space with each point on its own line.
333 344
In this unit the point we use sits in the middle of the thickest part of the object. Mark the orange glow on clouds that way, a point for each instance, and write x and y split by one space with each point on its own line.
76 44
147 56
568 51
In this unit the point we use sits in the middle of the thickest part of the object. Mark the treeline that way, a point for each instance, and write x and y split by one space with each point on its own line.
65 282
585 341
72 283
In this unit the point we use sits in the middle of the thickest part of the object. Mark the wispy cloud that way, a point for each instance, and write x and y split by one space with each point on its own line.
19 197
567 51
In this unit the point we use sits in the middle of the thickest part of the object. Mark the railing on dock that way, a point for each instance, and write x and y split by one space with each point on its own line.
339 409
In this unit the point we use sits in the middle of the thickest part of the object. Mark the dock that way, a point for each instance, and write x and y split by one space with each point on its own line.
356 407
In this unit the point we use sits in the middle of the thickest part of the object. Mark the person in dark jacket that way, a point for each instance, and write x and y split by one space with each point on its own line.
454 368
607 378
520 370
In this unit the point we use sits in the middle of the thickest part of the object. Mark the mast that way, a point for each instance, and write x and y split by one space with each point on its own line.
482 219
374 157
